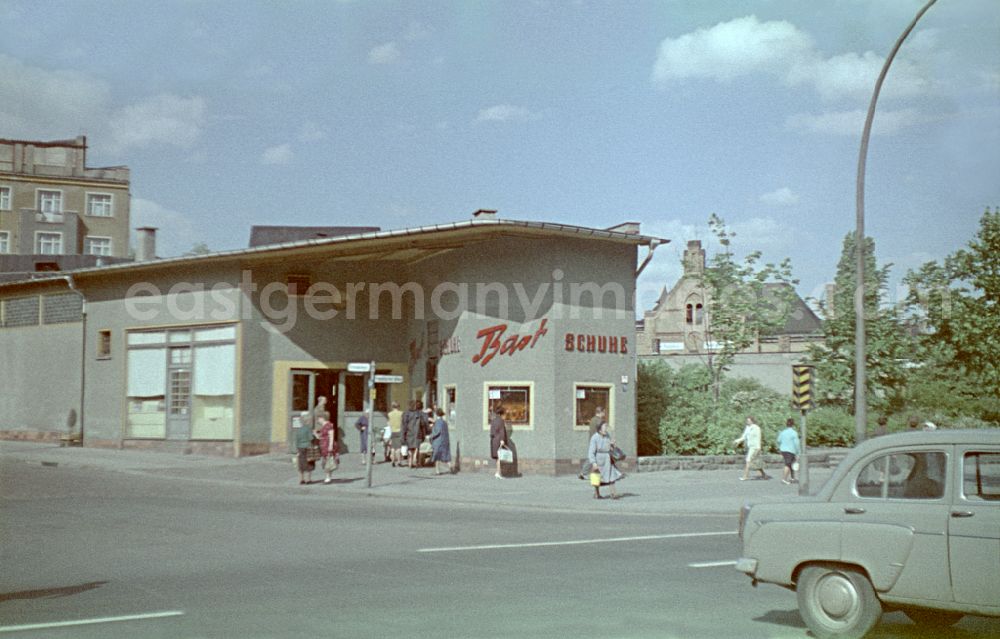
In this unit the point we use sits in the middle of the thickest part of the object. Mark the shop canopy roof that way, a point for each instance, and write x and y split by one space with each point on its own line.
409 246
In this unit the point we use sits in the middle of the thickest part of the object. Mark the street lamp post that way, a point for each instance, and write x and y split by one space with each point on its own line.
860 399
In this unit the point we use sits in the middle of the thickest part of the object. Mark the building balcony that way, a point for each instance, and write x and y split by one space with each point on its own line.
49 217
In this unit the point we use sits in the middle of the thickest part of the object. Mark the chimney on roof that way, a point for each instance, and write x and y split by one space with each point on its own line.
145 249
485 214
632 228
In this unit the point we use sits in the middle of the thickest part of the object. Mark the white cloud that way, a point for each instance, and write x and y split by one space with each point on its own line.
177 232
43 104
162 119
387 53
782 197
505 113
730 49
761 234
280 154
747 46
886 122
312 132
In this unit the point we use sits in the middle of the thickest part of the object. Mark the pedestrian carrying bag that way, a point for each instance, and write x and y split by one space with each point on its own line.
505 455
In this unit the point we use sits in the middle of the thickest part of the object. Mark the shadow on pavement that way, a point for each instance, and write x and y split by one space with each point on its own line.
789 618
49 593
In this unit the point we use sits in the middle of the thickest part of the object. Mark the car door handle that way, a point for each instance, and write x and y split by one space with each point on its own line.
957 514
854 511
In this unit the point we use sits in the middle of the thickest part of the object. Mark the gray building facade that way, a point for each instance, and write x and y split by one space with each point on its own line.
221 353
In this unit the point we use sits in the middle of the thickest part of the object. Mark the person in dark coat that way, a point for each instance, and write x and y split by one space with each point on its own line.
441 453
408 436
498 436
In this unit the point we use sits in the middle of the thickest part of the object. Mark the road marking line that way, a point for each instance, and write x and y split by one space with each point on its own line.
575 542
712 564
84 622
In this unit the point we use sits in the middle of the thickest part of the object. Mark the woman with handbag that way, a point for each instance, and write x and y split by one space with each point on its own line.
304 435
603 471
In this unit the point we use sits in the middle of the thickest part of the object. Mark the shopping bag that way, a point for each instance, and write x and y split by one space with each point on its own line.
331 464
505 455
595 479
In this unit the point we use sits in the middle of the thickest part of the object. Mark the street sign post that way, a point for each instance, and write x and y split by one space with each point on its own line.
359 367
802 398
369 453
388 379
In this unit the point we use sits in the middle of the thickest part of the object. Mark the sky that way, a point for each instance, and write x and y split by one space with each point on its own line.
404 113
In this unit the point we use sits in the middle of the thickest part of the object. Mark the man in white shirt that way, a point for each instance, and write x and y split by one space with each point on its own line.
751 437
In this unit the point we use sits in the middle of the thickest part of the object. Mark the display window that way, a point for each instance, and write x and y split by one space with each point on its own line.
588 399
516 399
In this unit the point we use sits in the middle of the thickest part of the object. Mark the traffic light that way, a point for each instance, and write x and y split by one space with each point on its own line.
802 387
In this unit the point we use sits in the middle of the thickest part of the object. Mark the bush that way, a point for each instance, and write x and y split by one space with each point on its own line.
652 400
695 424
830 427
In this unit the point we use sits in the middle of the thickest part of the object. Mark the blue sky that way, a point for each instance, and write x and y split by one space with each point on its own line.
401 114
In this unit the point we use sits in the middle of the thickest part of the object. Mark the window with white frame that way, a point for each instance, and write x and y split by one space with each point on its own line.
99 204
4 198
4 241
96 245
48 243
50 201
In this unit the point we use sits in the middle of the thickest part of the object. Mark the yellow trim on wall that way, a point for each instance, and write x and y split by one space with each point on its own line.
281 369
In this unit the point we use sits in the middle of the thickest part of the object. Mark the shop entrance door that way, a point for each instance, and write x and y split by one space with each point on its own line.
179 394
306 386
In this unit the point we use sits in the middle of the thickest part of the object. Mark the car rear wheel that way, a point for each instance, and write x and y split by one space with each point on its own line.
933 618
836 601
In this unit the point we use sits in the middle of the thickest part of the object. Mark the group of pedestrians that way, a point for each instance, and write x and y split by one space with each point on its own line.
408 437
316 431
788 445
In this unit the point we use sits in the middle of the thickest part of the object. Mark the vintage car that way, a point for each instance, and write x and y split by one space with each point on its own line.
909 522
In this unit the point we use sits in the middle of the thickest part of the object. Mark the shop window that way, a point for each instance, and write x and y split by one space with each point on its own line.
355 392
188 374
515 399
104 344
590 398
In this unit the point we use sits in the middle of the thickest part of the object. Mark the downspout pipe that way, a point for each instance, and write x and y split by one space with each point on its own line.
652 247
83 348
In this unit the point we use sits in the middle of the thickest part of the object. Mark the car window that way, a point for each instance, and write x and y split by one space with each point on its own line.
981 476
915 475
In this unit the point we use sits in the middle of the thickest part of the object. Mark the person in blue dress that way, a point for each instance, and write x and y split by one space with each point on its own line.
441 453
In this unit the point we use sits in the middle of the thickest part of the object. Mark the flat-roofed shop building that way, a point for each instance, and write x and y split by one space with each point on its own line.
219 353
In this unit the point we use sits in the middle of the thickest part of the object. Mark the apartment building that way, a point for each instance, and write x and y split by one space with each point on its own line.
53 205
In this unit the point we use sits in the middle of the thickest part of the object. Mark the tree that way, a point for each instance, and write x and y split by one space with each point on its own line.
652 401
959 301
743 301
887 346
198 248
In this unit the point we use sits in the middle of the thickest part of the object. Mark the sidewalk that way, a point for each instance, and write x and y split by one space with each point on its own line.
650 493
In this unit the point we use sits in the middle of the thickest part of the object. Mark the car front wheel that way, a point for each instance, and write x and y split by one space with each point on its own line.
836 601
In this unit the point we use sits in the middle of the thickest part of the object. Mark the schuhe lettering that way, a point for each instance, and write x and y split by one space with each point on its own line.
581 343
495 343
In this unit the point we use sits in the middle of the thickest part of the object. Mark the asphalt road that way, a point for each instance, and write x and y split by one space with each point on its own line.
191 560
